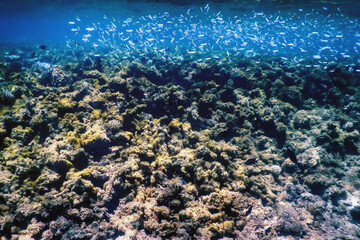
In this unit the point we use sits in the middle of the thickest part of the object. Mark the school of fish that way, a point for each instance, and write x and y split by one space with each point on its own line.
319 35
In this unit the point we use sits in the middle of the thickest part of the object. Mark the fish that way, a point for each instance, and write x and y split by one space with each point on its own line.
302 34
76 43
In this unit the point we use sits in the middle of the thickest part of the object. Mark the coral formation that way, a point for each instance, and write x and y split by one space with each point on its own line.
159 149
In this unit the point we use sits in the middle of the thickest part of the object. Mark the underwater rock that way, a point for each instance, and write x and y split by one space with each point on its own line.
66 105
6 223
98 64
80 159
7 98
59 164
334 139
113 127
317 183
289 166
351 141
355 213
289 222
56 77
206 104
98 103
47 180
22 134
81 90
150 73
310 158
240 78
88 63
301 120
292 95
95 141
349 126
117 84
96 75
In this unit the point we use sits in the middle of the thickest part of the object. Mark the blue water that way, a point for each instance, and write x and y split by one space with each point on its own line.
49 22
320 33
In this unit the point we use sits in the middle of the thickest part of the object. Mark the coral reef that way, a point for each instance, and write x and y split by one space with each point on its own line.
234 148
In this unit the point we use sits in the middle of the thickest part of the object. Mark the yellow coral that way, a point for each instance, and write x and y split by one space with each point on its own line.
175 123
228 226
214 227
66 103
225 227
86 172
73 139
96 132
96 114
128 135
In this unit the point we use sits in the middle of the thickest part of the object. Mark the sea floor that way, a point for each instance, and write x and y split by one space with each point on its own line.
148 148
